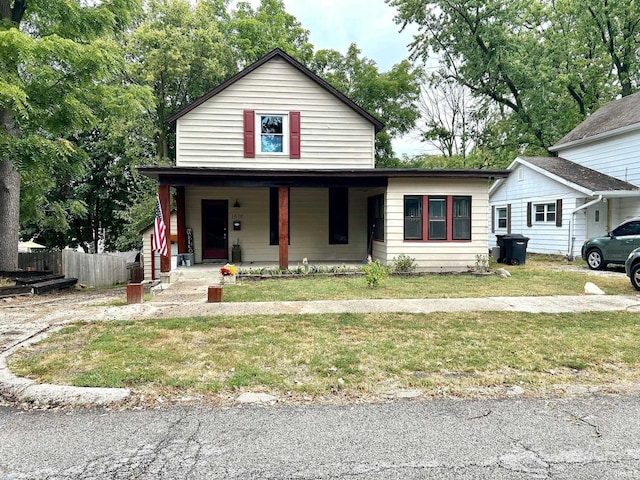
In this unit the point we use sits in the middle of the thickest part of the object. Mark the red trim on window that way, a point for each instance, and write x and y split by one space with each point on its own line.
425 218
249 133
294 134
448 220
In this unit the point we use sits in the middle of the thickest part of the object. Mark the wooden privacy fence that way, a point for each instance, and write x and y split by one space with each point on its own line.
99 270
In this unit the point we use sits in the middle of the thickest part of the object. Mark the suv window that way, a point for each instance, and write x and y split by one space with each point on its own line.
631 228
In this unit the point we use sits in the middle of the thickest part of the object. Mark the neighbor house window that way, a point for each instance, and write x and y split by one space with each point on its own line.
338 216
545 212
501 214
447 218
375 218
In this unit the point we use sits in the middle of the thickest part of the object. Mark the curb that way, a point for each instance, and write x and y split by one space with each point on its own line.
26 390
18 389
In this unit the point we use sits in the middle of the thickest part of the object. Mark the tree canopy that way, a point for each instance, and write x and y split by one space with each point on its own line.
536 68
86 88
58 62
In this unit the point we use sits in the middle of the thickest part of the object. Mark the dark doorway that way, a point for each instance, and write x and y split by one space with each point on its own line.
214 229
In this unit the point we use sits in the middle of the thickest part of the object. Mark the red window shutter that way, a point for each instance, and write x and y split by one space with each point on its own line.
249 134
509 218
559 212
529 222
294 134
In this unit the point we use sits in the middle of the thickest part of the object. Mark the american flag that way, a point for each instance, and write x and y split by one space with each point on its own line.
159 232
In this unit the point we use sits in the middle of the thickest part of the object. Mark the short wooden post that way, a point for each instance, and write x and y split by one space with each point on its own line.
215 294
135 293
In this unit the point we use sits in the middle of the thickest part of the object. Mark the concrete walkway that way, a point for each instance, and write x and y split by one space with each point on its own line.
27 327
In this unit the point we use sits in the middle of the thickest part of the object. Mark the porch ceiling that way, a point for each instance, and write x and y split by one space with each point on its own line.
379 177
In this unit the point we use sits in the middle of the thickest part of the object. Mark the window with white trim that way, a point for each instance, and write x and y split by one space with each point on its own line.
545 212
501 217
273 133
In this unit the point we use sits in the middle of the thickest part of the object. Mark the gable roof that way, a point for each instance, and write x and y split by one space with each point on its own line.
580 178
614 118
277 53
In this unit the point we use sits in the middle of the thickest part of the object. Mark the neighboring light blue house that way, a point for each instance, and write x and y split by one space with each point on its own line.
593 184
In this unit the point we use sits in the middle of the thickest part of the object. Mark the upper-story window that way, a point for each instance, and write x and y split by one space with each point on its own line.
271 133
273 136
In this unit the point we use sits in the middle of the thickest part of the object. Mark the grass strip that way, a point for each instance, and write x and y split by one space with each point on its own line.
348 354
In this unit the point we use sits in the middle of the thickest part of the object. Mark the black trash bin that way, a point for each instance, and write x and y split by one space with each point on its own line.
513 248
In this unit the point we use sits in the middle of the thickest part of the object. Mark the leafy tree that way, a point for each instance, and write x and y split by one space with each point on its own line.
56 58
255 32
536 68
180 52
391 95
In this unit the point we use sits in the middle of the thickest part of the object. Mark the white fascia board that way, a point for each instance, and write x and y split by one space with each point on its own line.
619 193
595 138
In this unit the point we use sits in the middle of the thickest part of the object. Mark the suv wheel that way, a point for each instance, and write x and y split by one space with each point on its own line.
635 276
594 259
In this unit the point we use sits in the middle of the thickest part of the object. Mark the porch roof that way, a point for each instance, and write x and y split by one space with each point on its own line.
369 177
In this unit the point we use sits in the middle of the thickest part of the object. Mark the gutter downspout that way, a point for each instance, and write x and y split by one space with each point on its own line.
572 223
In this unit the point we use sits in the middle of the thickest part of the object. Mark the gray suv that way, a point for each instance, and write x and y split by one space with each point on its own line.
614 247
632 267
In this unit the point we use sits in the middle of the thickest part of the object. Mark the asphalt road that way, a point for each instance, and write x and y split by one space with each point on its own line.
589 437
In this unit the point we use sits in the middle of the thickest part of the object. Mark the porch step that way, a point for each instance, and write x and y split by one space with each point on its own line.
39 279
52 285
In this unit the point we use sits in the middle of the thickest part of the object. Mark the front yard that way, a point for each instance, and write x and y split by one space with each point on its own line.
343 357
541 275
357 357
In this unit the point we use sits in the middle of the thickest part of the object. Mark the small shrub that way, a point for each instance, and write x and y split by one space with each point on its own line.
375 273
404 264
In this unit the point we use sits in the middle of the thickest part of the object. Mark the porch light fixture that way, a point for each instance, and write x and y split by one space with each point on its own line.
236 205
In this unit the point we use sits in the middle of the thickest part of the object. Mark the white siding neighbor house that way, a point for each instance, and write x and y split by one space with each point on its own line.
275 165
589 188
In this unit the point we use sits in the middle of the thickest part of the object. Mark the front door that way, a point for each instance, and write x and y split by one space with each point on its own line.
214 229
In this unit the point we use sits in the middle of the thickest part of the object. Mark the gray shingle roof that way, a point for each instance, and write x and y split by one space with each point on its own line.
617 114
579 175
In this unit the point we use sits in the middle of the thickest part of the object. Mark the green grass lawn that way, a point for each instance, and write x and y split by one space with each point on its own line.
539 276
342 356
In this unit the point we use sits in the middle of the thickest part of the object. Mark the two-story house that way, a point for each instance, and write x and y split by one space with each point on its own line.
593 184
279 162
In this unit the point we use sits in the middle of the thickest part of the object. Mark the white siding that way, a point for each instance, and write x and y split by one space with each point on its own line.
537 188
618 157
437 255
309 224
332 135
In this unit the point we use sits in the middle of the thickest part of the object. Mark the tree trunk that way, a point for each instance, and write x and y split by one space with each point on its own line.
10 215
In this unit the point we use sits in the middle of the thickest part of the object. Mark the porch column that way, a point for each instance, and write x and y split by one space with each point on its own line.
165 202
283 221
182 225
